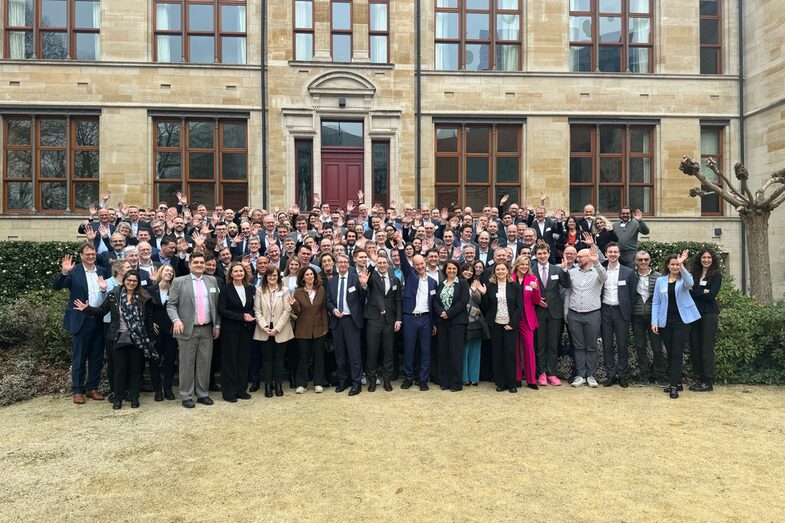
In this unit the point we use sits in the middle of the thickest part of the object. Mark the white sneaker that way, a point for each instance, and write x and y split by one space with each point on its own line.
592 382
318 389
578 381
299 390
364 380
378 381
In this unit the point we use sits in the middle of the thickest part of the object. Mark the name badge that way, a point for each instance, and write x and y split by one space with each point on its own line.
622 225
555 277
664 291
212 290
528 288
278 294
352 289
433 291
395 287
144 282
548 229
703 283
706 291
622 283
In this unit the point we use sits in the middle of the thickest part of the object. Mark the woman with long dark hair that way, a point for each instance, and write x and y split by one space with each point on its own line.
708 279
449 304
235 305
273 329
310 328
476 329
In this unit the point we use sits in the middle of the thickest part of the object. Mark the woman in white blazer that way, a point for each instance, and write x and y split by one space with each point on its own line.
273 328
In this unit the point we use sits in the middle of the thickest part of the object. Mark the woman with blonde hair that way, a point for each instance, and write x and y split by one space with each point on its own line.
165 344
524 355
603 233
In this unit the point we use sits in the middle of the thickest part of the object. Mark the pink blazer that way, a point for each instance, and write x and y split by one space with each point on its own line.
531 298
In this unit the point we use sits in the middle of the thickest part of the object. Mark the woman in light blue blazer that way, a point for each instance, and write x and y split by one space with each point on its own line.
672 312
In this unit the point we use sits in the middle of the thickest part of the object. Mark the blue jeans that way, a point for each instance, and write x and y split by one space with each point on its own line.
471 361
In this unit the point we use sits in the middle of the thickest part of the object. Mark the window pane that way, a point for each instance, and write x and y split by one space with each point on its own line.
610 139
639 6
201 135
610 6
167 166
478 4
580 28
304 166
233 50
85 194
169 48
87 15
476 57
200 17
507 170
639 59
20 196
639 30
710 60
19 164
234 135
201 166
18 132
709 7
508 27
610 170
342 16
20 45
477 139
579 197
708 173
639 141
381 159
477 27
476 170
710 31
446 139
447 57
476 197
640 198
202 193
303 46
235 195
580 139
52 133
580 58
233 18
506 140
303 15
501 190
168 134
446 196
447 25
507 4
346 134
507 57
378 17
201 49
86 164
87 46
167 192
448 4
710 141
378 49
342 48
167 17
447 170
610 199
54 196
52 164
53 13
55 46
580 170
20 14
640 170
610 29
234 166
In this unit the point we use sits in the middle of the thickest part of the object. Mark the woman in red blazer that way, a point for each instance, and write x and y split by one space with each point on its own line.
521 272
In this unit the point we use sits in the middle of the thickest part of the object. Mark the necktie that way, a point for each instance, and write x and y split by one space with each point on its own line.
544 276
386 286
201 302
340 294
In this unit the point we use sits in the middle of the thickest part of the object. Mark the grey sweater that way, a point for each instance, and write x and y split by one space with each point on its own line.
628 234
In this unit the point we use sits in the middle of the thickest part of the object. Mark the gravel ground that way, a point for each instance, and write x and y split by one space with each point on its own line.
557 454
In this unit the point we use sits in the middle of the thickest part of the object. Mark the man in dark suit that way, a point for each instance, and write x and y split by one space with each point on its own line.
550 314
346 293
384 314
168 256
419 318
540 224
85 281
585 223
617 299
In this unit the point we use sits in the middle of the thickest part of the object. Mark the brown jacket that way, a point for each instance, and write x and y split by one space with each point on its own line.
311 317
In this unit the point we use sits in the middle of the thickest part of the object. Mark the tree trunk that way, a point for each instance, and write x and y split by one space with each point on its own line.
757 229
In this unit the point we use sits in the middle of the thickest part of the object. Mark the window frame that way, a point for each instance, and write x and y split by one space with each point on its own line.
301 30
719 158
385 33
304 200
718 46
377 197
334 31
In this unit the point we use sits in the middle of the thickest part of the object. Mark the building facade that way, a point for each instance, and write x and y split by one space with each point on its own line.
428 101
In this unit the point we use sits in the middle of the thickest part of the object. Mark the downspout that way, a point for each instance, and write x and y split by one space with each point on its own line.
417 103
742 147
265 175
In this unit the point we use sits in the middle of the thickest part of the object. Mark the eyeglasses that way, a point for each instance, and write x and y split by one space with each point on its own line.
642 260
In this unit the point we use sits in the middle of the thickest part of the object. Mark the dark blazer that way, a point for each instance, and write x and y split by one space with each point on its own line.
311 319
456 314
583 225
490 304
391 302
232 309
488 260
626 289
549 222
177 263
411 282
552 293
355 299
704 293
76 282
112 305
160 317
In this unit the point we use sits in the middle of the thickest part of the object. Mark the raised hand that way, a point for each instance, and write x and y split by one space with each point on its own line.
543 197
67 264
198 239
594 254
90 232
504 199
107 195
683 257
238 239
80 305
363 277
398 238
495 244
349 206
121 209
360 195
588 239
248 317
637 214
103 230
481 288
92 209
102 283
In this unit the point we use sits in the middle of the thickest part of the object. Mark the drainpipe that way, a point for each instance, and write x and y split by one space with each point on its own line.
265 174
417 103
742 148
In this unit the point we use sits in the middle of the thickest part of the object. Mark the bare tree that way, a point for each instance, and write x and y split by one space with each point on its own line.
754 210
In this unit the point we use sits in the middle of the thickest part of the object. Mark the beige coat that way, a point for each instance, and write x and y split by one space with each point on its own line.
275 310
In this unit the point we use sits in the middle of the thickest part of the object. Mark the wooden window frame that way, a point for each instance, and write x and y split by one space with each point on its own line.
385 34
301 30
719 158
334 31
304 201
377 198
625 44
718 46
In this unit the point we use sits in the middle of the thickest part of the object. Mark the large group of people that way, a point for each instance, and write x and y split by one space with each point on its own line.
334 297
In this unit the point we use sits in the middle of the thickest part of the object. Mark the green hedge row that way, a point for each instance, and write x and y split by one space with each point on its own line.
30 266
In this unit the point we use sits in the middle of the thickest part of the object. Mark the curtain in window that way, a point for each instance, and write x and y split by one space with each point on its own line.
241 43
303 15
378 49
162 44
378 17
97 23
16 39
506 57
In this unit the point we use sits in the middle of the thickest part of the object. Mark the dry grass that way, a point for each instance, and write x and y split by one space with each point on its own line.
558 454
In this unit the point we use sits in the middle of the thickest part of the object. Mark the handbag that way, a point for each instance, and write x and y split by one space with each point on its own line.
123 340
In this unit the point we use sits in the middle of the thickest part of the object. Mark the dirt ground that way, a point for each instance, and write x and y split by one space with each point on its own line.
556 454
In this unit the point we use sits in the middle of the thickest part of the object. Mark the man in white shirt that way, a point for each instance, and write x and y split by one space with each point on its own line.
617 298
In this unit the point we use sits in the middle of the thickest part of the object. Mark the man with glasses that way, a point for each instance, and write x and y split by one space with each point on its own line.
627 229
652 369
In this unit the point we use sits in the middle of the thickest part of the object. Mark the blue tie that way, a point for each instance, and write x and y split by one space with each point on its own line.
340 294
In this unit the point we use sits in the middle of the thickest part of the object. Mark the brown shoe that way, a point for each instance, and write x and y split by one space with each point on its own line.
79 399
94 395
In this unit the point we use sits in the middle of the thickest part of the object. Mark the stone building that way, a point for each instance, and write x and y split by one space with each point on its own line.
431 101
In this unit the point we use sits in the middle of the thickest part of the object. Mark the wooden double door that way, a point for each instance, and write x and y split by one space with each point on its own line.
342 175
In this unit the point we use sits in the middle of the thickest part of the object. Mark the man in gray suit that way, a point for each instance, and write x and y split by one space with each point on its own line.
193 309
617 294
550 314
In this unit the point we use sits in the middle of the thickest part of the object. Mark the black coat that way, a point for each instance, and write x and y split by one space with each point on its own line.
490 303
160 317
456 314
111 304
231 309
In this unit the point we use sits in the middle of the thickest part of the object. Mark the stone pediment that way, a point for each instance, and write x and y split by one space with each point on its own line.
342 83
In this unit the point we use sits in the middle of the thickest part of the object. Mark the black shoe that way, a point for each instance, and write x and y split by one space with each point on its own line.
278 390
110 397
467 384
456 389
533 386
678 388
475 383
205 401
643 382
673 392
424 386
514 390
371 385
255 386
159 396
168 395
355 390
117 405
444 387
229 399
387 385
243 396
146 388
519 383
610 382
268 390
291 382
188 404
662 383
406 384
500 389
435 381
623 383
703 387
694 386
340 388
135 403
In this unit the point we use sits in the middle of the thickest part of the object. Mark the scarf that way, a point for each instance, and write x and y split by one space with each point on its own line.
132 314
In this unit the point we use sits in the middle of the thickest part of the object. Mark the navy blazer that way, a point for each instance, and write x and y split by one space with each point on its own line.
355 299
456 314
76 282
626 291
411 282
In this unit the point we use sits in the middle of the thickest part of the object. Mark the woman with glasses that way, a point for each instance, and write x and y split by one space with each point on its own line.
273 328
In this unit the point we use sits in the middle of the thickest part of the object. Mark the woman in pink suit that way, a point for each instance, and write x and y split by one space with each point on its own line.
521 272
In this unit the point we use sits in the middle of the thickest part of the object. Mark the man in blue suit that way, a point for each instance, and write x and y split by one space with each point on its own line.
346 293
86 282
419 319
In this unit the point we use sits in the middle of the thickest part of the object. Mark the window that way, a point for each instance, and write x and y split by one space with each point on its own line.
481 35
380 152
303 30
711 36
53 29
612 166
207 159
200 31
379 31
341 30
304 169
711 147
476 164
611 35
50 163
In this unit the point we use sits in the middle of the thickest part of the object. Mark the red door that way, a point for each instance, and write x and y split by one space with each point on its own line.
342 176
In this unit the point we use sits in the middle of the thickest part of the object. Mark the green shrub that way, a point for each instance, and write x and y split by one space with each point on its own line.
30 266
19 384
661 250
48 341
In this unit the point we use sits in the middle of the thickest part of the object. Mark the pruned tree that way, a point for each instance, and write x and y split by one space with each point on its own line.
754 210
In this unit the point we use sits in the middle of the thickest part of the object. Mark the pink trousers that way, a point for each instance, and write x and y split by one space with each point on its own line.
525 352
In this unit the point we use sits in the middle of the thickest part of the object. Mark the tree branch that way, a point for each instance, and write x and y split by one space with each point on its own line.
742 174
692 168
712 165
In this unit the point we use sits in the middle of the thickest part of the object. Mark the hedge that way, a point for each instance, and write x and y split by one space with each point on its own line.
30 266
